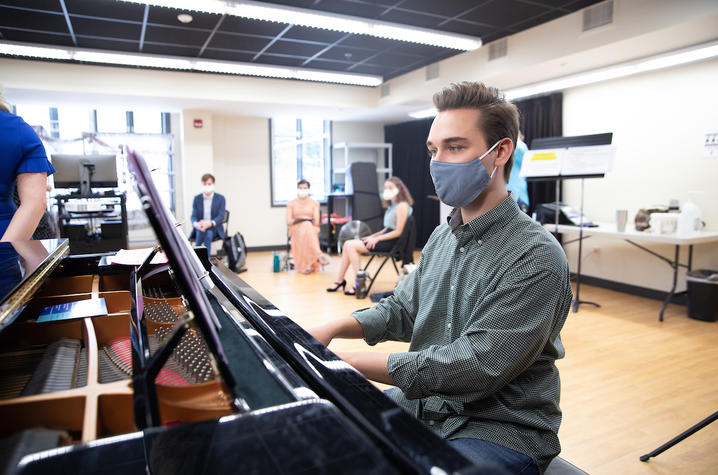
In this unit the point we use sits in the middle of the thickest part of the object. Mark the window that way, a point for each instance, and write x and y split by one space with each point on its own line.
78 130
300 149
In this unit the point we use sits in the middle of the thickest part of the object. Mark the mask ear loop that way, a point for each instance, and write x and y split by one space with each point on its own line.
488 152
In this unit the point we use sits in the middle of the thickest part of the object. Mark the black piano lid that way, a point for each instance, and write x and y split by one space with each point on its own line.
20 261
183 261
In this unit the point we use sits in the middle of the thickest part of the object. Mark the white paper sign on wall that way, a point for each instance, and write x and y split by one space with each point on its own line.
710 145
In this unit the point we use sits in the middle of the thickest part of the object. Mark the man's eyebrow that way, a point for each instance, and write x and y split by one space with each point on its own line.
449 140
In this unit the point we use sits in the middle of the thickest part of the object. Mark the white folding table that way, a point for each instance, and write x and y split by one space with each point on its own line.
631 236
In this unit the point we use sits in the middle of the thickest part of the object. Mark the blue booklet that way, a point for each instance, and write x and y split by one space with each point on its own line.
69 310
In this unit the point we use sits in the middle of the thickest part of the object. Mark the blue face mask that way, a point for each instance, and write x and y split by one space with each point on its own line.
458 184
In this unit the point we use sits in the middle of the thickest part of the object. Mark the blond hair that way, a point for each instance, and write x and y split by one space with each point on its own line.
4 104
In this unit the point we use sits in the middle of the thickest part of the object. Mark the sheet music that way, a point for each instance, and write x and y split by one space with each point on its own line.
546 162
593 160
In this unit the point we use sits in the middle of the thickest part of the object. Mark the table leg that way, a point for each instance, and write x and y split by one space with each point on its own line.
675 266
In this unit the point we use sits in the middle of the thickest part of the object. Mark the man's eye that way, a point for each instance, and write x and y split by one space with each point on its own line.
454 148
431 153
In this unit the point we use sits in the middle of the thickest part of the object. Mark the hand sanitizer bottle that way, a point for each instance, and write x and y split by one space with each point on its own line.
689 220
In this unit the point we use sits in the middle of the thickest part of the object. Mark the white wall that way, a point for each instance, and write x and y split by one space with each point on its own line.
241 161
658 120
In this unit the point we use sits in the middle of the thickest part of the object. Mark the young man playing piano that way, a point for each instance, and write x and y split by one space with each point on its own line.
484 307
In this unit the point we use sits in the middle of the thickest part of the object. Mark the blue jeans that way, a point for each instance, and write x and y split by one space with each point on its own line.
206 239
495 459
488 457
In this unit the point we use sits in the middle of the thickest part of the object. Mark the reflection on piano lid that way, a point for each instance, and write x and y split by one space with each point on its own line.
23 267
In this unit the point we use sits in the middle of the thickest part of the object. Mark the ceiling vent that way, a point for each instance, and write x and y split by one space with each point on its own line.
385 90
432 71
597 15
498 49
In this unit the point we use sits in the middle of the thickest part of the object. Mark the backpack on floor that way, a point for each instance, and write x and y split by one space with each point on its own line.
236 251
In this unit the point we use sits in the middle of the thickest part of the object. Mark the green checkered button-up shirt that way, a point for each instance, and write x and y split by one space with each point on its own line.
483 311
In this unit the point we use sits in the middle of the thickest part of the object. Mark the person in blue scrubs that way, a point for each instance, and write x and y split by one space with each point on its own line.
517 184
23 164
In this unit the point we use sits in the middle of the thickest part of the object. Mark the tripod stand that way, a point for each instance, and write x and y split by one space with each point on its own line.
712 418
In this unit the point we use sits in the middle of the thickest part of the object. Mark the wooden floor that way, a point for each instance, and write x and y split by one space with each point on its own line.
629 382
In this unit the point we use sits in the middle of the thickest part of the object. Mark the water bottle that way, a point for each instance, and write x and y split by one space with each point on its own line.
276 262
360 284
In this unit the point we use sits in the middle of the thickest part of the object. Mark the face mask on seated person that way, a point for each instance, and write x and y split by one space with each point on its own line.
302 193
458 184
389 195
208 189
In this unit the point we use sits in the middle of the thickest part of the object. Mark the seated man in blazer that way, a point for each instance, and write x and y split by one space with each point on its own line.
207 214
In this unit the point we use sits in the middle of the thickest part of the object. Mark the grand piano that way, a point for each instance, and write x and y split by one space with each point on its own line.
190 371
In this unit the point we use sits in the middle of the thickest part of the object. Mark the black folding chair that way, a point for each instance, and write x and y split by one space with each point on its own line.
403 251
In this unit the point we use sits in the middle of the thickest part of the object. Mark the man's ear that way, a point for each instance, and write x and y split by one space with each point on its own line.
503 152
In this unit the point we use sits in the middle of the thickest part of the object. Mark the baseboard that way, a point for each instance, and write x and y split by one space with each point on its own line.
679 299
278 247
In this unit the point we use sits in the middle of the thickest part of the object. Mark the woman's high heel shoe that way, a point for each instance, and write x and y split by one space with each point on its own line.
350 292
341 284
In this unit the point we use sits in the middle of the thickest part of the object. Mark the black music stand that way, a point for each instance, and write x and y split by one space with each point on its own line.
568 142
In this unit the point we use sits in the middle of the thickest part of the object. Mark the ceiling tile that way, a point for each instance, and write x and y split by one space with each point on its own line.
289 48
181 36
280 60
313 34
108 44
329 65
105 9
238 42
368 42
107 29
32 20
168 16
503 13
170 50
228 55
31 37
339 53
52 5
371 69
444 8
251 27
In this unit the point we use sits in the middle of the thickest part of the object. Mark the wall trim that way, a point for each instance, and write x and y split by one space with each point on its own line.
679 299
275 247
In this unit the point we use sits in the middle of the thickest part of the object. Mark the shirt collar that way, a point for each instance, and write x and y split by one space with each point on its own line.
480 225
211 195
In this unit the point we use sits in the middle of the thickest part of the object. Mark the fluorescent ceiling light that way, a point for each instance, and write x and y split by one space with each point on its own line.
327 21
661 61
424 113
186 64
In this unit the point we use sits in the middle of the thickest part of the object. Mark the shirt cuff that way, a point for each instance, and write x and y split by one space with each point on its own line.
373 324
404 371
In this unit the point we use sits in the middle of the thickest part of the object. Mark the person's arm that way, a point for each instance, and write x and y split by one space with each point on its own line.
290 214
506 333
390 319
219 215
195 218
315 216
33 202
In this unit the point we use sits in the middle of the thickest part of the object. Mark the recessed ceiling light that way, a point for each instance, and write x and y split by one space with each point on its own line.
184 17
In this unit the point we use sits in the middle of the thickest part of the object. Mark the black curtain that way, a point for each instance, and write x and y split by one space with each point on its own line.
411 164
541 117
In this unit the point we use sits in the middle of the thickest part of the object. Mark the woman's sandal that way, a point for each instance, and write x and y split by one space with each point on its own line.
341 284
